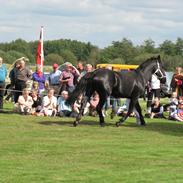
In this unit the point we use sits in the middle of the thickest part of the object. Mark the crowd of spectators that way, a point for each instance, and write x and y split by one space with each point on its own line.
47 95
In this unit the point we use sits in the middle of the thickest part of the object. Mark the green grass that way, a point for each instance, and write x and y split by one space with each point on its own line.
49 150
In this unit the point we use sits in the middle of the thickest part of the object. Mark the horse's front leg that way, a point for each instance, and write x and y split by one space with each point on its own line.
130 110
81 111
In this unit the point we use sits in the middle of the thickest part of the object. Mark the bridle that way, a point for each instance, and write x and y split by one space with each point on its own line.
158 70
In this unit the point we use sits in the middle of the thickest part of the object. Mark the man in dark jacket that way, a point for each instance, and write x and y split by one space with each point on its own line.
21 75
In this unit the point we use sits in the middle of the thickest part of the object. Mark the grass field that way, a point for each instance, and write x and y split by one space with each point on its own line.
49 150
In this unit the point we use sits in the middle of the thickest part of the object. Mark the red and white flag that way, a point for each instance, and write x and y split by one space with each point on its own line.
40 51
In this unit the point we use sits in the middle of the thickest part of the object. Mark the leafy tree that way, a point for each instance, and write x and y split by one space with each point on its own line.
142 57
179 47
94 56
69 56
168 48
16 54
171 62
149 46
117 61
53 58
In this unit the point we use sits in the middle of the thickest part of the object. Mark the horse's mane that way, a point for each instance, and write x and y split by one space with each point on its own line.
148 62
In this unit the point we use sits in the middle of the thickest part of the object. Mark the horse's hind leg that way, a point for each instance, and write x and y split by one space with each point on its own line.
100 105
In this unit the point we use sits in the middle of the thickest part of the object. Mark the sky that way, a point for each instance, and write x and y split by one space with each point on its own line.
97 21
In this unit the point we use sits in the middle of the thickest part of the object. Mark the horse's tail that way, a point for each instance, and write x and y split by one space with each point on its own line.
80 89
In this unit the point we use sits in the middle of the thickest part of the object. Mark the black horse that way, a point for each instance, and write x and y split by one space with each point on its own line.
119 85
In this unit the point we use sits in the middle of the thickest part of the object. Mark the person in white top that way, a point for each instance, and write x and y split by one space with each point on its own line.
154 91
24 104
49 104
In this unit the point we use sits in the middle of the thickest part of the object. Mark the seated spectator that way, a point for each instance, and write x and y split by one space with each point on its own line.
178 114
156 109
173 103
35 85
49 104
77 106
24 104
93 103
62 108
122 111
37 102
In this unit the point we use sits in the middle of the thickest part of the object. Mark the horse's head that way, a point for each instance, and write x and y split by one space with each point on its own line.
158 70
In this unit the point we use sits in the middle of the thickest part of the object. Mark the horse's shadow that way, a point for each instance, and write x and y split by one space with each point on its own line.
70 123
168 128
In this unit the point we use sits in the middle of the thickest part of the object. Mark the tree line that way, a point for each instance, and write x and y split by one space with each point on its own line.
120 52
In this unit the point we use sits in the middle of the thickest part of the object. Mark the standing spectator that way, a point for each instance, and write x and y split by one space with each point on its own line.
76 73
12 83
21 76
49 104
80 67
88 68
154 92
177 81
3 74
24 105
54 78
67 79
40 78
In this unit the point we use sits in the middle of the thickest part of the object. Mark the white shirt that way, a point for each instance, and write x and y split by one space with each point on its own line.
62 106
28 102
46 101
155 82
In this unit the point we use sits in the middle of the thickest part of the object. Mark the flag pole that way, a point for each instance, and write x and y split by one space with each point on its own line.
40 51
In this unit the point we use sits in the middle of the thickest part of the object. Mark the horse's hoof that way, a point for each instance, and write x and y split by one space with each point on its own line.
143 124
75 123
102 124
117 124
